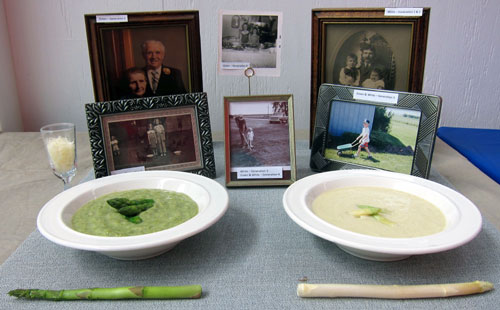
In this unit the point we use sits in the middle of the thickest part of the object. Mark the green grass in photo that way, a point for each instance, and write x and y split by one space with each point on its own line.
385 161
383 146
405 129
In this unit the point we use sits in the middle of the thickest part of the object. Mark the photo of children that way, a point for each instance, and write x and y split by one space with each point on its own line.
363 139
349 75
259 135
250 136
153 140
249 39
374 81
385 140
366 58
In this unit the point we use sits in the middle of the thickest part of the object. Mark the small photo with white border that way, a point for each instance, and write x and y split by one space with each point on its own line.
249 39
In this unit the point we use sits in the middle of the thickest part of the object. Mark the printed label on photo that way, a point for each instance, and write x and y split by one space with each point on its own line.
235 65
260 173
375 96
111 18
404 11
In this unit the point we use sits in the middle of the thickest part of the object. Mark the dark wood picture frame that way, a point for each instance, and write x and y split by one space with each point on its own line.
120 140
364 19
115 47
270 159
427 106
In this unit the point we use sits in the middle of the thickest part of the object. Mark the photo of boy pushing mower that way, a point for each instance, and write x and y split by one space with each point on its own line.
363 140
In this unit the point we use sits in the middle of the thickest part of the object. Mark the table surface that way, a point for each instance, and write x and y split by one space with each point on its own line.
252 258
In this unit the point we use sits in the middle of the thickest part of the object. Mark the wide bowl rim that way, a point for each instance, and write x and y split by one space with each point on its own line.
466 228
51 225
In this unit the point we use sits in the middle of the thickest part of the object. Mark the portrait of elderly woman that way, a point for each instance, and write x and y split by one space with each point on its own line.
135 84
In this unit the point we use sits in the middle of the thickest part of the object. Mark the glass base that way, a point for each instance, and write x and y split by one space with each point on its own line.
66 177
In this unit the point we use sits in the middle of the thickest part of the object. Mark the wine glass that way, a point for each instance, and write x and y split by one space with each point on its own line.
60 144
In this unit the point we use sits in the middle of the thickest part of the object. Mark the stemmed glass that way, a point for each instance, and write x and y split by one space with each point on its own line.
60 144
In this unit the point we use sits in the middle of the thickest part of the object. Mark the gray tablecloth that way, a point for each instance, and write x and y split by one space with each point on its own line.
252 258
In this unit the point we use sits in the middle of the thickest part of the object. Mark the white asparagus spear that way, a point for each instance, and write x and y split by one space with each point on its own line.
393 291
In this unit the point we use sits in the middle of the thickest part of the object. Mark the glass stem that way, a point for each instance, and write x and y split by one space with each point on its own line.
66 182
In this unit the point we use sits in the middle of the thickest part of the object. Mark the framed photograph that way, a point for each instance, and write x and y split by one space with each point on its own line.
259 140
136 55
156 133
374 129
250 39
367 48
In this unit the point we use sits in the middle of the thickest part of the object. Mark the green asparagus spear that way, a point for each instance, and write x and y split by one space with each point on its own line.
118 203
142 201
365 210
128 292
383 220
134 219
371 211
133 210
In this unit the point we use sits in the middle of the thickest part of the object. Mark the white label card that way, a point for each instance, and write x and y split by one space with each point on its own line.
259 173
404 11
111 18
235 65
376 96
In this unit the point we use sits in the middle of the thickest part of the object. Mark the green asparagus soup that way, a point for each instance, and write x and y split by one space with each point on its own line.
170 209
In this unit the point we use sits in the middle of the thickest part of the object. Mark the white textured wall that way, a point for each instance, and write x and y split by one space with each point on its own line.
10 114
54 81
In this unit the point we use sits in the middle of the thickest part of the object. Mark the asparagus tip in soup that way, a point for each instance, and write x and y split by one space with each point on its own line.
378 211
99 217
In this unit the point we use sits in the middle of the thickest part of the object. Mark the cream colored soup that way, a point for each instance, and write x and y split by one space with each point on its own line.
407 215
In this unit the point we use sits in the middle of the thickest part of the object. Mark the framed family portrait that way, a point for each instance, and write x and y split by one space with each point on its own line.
135 55
157 133
374 129
259 140
367 48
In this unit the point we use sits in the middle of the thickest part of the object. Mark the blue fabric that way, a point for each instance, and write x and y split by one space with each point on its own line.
480 146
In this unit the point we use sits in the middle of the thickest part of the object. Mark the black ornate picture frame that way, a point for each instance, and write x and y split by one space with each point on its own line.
156 133
401 126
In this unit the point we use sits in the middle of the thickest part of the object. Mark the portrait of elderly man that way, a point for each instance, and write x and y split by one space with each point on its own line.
162 80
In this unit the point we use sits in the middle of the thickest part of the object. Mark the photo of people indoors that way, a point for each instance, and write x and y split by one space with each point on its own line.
375 136
250 39
365 60
152 142
154 78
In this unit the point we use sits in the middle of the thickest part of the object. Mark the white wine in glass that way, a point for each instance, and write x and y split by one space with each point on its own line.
60 144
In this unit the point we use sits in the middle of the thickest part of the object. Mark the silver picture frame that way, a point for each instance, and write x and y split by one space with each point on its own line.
359 105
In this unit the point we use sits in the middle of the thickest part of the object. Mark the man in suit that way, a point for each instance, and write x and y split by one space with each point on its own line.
366 65
162 80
